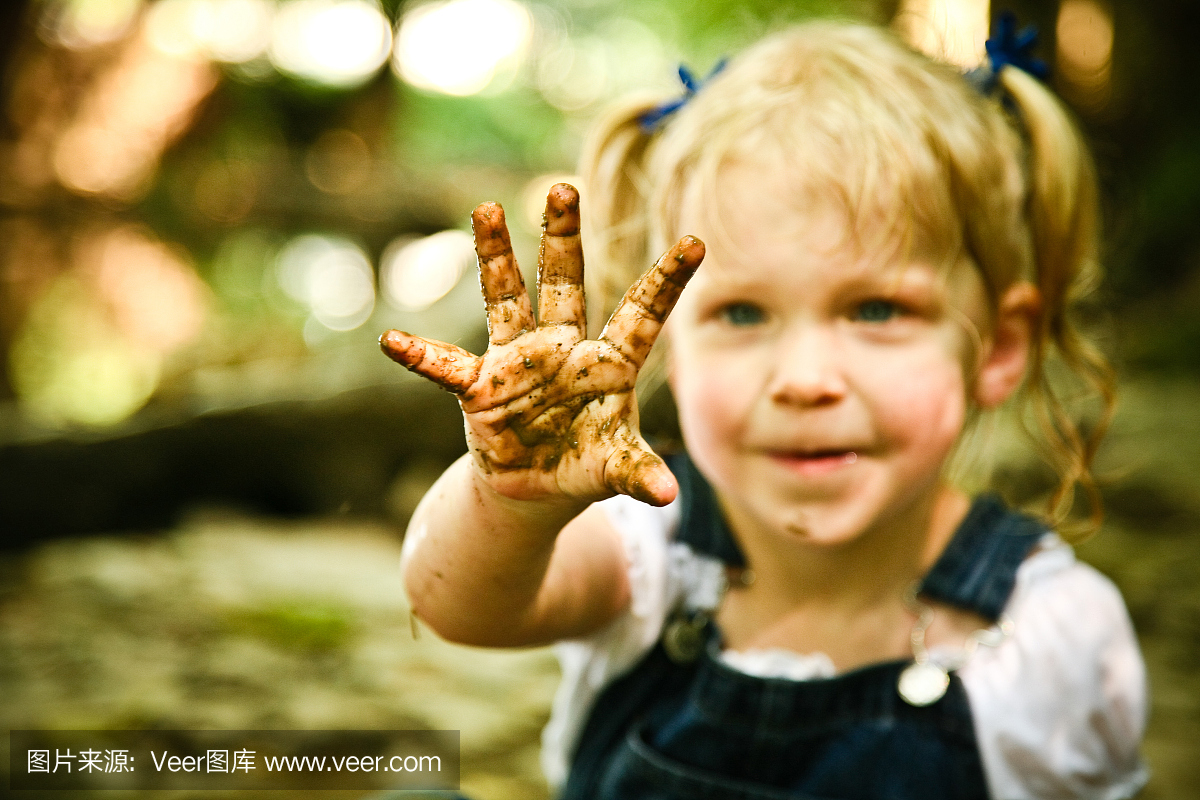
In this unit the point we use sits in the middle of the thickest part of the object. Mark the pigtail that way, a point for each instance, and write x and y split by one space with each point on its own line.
619 241
612 168
1064 217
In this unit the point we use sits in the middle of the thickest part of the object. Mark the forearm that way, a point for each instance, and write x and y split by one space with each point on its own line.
484 569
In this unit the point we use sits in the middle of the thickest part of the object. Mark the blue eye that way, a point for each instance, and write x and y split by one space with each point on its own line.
742 314
876 311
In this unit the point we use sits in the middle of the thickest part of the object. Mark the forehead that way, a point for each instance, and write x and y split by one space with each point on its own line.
749 213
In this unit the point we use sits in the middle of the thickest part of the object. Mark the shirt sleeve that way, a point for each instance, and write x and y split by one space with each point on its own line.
1060 706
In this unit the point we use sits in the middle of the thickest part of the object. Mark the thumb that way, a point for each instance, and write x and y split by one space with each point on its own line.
636 470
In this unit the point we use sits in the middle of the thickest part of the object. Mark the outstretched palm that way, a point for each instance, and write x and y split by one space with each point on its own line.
549 412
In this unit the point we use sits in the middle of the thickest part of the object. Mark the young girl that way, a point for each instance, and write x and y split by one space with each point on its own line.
802 605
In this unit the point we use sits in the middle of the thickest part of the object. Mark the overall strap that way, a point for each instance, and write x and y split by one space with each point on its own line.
702 525
978 569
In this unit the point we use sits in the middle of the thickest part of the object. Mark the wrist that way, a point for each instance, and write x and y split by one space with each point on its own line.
543 511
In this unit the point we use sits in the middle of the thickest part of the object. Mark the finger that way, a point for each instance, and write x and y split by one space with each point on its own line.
635 324
638 472
448 366
508 309
560 266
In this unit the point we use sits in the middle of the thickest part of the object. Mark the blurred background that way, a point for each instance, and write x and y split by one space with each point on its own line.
210 210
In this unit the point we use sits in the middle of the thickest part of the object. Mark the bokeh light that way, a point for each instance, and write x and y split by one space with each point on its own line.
458 47
92 347
574 72
1083 60
156 299
137 107
99 380
949 30
230 31
225 190
80 24
416 273
338 162
330 275
334 42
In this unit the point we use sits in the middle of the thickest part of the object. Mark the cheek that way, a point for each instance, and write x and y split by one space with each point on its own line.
713 393
923 402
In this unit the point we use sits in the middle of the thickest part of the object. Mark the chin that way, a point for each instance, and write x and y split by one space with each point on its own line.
826 530
841 517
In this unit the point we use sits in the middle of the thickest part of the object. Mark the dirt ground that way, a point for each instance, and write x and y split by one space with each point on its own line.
229 623
234 622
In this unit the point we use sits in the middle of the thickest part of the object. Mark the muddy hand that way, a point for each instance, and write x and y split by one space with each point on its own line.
549 412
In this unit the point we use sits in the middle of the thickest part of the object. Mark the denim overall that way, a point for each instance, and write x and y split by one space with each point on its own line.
700 730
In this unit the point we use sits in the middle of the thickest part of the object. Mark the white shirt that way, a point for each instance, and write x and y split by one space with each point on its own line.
1059 706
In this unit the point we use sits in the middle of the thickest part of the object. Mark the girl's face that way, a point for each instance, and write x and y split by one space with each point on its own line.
820 388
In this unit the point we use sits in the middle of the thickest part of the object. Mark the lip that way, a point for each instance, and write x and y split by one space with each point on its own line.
816 463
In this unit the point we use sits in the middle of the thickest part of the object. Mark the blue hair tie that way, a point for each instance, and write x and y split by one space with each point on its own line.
654 118
1008 47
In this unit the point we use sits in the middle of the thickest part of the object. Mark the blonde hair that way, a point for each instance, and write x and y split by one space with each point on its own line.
860 118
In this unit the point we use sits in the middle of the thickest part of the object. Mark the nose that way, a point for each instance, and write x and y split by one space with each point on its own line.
808 369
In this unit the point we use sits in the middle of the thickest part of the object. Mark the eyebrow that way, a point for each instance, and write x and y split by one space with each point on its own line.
865 273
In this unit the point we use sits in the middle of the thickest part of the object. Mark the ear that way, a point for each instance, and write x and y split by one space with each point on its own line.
1006 352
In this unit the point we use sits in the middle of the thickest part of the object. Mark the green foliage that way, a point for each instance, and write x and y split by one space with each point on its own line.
510 130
